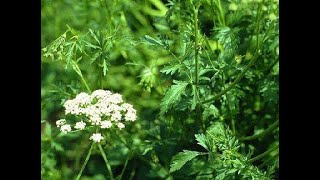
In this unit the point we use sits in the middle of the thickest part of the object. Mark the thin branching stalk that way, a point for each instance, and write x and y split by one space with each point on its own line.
85 161
263 133
263 154
196 62
124 168
106 161
196 48
246 69
78 71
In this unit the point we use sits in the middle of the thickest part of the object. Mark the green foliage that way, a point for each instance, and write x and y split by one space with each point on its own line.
180 159
192 69
229 39
224 157
173 95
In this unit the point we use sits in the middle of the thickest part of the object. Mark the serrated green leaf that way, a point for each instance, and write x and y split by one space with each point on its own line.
181 159
210 111
231 171
202 140
94 36
172 96
152 41
170 69
91 45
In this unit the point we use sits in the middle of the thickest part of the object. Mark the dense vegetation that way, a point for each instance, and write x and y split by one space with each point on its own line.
202 75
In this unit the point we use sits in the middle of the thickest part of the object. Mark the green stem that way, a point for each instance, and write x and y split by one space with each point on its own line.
269 160
106 161
85 83
235 82
265 132
263 154
152 164
229 107
221 13
78 71
233 126
85 162
246 69
125 166
196 62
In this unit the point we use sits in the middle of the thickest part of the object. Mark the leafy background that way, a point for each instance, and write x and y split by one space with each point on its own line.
147 50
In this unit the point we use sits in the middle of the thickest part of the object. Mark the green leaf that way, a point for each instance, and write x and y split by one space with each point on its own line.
231 171
181 159
56 146
170 69
152 41
211 110
91 45
148 78
147 150
172 96
202 140
94 36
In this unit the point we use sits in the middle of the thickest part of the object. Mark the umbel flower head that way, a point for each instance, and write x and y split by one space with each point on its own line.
102 109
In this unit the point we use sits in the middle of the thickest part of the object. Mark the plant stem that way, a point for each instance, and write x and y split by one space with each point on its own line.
85 162
78 71
85 83
265 132
106 161
196 62
263 154
241 75
152 164
222 18
233 126
125 166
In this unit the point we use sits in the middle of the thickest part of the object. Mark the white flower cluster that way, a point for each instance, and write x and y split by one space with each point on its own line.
96 137
102 109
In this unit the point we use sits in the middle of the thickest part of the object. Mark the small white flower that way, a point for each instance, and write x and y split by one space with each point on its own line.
116 98
70 106
80 125
60 122
131 115
102 108
99 94
106 124
116 116
83 98
95 119
96 137
120 125
65 128
126 106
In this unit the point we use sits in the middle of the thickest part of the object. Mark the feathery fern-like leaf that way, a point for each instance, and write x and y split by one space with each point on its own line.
181 159
172 96
202 140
